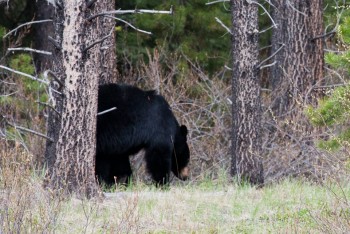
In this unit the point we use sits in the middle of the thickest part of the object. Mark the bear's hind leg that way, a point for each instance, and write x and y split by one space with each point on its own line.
121 169
103 170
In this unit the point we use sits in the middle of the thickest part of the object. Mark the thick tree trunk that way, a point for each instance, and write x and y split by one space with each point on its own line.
71 157
246 107
299 64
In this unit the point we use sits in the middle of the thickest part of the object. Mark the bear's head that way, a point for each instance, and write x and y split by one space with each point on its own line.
181 154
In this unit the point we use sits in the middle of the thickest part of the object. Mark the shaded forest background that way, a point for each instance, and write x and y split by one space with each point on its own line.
187 58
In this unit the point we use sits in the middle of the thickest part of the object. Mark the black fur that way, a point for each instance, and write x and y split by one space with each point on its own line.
142 120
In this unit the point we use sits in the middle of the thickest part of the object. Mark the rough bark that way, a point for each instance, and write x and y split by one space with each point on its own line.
299 64
42 31
246 107
107 51
71 157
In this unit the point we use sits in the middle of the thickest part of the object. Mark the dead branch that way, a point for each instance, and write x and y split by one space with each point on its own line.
267 13
98 41
268 58
55 43
49 106
30 50
223 25
210 3
27 130
335 72
24 74
334 30
49 72
7 95
125 22
268 65
136 11
266 29
106 111
22 25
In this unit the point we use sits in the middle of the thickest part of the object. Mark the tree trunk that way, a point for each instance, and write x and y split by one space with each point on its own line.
71 156
246 107
42 31
107 51
299 64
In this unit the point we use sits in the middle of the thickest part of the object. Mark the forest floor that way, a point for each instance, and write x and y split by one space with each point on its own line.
290 206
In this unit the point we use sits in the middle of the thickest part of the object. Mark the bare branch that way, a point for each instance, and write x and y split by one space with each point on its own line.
28 130
50 106
334 30
136 11
7 95
24 74
267 29
132 26
268 65
223 25
270 3
331 33
30 50
55 43
49 72
218 1
329 86
228 68
98 41
106 111
335 72
268 58
28 23
267 13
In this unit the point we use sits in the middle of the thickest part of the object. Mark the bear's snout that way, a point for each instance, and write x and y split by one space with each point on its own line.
184 174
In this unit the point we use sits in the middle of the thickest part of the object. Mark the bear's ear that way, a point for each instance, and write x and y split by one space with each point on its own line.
183 130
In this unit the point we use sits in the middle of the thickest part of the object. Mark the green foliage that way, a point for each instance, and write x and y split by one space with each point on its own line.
23 63
20 101
336 142
192 31
334 110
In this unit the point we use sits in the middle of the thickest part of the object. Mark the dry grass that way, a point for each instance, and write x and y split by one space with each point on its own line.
206 206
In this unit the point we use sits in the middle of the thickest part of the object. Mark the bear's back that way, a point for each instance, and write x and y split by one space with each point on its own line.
139 115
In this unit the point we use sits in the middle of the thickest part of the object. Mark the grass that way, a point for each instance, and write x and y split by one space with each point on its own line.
202 206
288 207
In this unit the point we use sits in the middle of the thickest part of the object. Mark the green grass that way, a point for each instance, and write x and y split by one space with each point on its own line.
288 207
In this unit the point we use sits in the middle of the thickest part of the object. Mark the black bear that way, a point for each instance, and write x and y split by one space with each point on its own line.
140 120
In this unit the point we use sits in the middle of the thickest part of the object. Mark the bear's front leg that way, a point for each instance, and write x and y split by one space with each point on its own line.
158 160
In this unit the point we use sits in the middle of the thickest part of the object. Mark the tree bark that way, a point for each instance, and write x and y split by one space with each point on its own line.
42 31
108 48
71 156
299 64
246 107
